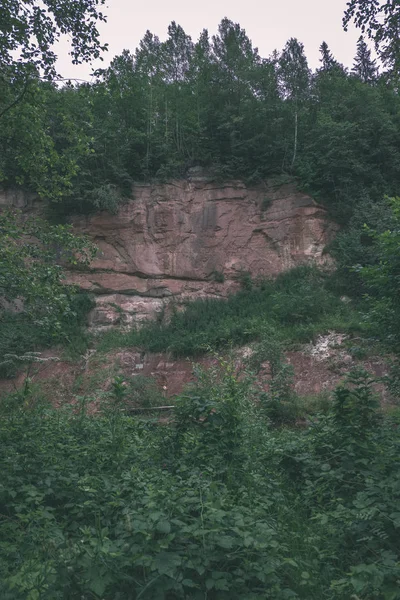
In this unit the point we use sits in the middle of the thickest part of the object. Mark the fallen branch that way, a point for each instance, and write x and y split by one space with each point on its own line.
152 408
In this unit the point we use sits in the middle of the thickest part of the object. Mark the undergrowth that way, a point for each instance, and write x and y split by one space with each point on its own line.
297 305
19 334
220 504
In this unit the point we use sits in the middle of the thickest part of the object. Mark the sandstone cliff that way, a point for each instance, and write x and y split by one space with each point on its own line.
191 239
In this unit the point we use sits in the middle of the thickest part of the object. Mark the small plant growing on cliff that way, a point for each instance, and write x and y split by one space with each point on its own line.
106 197
218 276
245 280
266 203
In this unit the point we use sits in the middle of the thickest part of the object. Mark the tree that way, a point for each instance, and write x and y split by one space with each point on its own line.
42 140
383 280
294 76
364 66
29 29
31 276
351 145
177 54
200 82
235 63
39 146
381 21
148 66
327 59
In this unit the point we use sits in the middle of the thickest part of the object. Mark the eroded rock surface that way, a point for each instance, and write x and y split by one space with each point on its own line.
186 240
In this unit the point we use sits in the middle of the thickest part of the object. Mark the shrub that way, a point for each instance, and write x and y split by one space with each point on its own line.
279 403
218 276
217 505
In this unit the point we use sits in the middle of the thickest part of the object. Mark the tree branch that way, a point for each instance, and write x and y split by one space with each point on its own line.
17 100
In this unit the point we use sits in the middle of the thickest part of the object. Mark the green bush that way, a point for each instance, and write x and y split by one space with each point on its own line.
218 504
354 245
111 507
19 335
218 276
277 398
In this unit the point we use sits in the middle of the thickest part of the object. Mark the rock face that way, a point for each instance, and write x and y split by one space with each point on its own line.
192 239
17 198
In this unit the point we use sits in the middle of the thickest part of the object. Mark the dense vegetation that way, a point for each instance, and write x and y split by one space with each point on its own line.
244 491
219 504
214 103
37 309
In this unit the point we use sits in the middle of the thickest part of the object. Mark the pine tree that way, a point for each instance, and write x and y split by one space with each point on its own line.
327 59
381 22
364 67
200 78
235 62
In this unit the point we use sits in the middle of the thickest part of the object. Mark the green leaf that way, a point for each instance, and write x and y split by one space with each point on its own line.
225 542
167 562
164 526
98 586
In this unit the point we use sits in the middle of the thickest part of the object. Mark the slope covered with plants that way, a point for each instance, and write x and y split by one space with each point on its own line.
218 504
243 491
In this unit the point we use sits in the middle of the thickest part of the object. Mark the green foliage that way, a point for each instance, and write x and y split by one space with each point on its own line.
40 143
364 67
329 63
381 21
209 425
218 276
19 335
245 280
173 105
226 500
277 400
350 479
142 392
392 380
297 305
354 244
382 281
29 274
216 505
37 308
28 33
266 203
350 145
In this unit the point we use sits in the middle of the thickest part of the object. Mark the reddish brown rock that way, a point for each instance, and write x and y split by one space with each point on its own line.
312 375
185 240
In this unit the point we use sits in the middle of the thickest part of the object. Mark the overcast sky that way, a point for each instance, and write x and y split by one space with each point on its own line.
268 23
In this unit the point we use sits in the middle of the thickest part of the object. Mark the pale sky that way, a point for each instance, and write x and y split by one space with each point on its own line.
268 23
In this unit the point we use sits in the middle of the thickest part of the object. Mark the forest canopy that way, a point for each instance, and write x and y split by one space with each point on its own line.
215 103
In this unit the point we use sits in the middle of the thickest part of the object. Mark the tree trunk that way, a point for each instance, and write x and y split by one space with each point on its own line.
295 137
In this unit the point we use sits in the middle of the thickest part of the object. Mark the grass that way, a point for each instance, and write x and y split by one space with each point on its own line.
296 306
